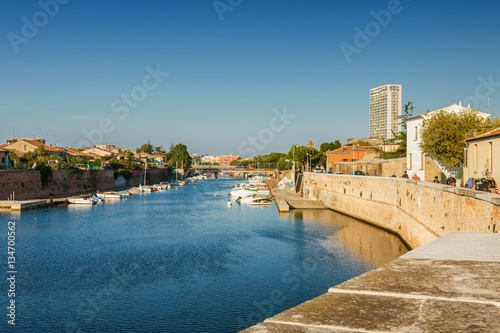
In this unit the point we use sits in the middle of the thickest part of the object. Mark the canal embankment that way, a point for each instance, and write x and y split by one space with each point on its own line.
448 285
419 212
286 199
33 184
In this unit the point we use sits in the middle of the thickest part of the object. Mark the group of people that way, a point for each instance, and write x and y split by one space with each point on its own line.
449 181
405 175
483 186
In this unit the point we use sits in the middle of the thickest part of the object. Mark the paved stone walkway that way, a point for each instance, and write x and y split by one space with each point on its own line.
451 284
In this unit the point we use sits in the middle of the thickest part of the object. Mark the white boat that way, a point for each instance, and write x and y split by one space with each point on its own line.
83 201
251 200
135 190
113 195
243 192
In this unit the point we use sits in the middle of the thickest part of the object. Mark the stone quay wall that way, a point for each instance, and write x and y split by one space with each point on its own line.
27 184
152 176
417 211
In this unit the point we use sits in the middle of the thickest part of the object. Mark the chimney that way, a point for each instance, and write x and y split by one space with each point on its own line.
460 103
468 105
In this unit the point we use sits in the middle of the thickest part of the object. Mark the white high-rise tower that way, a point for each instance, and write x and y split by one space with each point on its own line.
385 109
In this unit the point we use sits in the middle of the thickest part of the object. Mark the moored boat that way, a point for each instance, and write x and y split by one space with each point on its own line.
83 201
113 195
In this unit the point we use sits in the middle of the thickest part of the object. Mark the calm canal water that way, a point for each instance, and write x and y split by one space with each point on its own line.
178 261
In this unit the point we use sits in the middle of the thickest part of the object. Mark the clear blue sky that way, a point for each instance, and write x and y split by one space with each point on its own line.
226 76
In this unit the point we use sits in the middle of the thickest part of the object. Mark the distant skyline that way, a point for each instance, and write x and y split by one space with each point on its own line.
235 77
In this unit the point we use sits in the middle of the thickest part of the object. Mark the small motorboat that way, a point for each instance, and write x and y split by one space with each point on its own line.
243 192
83 201
109 195
251 199
135 190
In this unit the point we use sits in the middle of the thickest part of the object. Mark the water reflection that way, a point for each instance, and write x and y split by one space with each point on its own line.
369 244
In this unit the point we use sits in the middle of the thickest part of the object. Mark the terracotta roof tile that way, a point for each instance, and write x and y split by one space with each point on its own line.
494 132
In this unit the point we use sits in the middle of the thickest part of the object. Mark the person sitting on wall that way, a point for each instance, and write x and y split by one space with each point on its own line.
415 177
436 180
394 174
451 181
483 186
405 175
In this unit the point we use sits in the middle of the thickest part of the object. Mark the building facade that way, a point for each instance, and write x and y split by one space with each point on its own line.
4 158
482 156
346 154
385 109
415 157
227 159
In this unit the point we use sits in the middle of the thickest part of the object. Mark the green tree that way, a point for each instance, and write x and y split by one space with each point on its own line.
443 135
129 161
400 137
159 150
179 155
39 156
146 148
327 146
301 156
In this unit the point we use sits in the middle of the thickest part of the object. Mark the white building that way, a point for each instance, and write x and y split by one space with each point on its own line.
209 159
415 158
385 109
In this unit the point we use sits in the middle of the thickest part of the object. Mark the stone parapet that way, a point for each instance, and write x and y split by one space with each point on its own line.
417 211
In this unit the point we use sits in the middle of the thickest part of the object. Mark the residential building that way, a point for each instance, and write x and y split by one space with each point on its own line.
4 158
209 159
378 142
415 157
111 148
482 156
98 152
157 159
227 159
385 109
21 146
347 154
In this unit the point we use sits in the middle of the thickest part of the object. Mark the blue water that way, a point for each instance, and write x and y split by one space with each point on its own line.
178 261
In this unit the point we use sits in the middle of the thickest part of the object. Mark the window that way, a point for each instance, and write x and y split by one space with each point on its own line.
416 133
410 162
466 155
3 160
24 147
422 161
